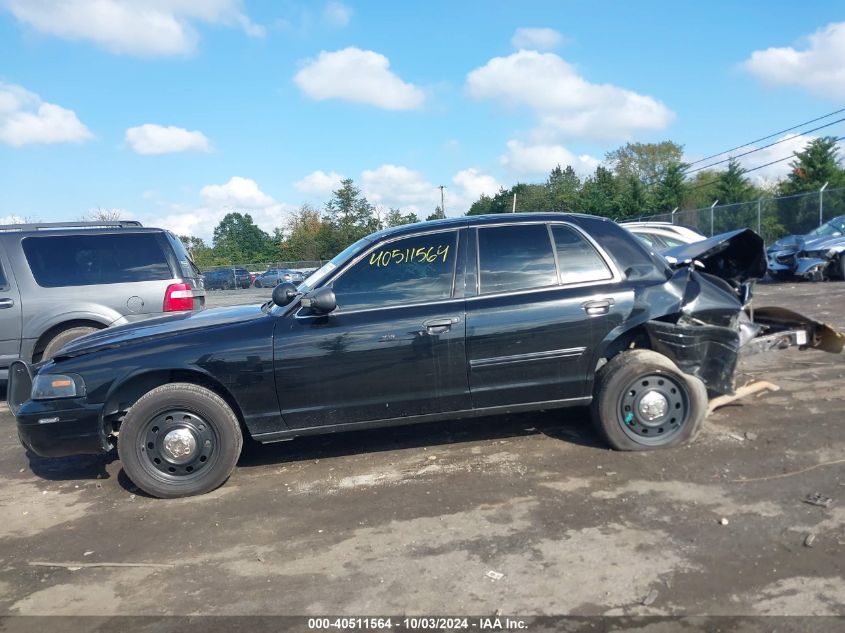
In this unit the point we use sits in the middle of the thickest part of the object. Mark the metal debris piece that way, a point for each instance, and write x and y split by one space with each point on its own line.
494 575
723 521
809 539
651 597
746 390
817 499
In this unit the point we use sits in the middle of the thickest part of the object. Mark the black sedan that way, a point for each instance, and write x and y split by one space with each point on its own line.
442 320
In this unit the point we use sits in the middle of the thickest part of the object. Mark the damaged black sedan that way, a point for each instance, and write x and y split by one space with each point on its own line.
441 320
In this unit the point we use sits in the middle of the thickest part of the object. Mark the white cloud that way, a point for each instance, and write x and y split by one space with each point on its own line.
566 104
540 159
337 14
539 39
408 190
819 67
237 195
151 27
158 139
319 182
26 119
12 219
358 76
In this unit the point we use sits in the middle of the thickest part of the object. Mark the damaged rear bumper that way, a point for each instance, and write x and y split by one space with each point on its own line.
712 352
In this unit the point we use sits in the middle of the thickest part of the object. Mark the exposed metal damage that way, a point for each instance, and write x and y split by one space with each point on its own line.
714 324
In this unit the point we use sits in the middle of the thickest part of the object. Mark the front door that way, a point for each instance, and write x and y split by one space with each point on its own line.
546 298
393 348
10 317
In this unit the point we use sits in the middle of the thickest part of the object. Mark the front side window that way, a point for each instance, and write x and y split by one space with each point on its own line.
105 258
576 257
515 258
417 269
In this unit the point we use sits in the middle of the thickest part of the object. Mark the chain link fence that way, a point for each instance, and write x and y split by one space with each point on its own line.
770 217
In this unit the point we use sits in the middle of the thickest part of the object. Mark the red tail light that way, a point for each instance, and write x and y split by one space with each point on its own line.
178 297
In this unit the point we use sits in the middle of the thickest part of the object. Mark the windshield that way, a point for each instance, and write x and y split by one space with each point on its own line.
318 275
836 226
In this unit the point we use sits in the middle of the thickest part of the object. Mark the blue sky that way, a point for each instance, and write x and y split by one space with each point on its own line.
176 111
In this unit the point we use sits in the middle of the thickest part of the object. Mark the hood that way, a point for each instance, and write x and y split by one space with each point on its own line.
786 243
735 256
821 242
159 327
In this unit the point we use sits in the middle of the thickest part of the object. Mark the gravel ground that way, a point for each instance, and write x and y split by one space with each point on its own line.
413 520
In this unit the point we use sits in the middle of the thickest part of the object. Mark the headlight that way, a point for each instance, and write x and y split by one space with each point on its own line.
49 386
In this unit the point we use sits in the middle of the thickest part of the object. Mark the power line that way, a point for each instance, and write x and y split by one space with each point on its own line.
789 129
779 160
757 149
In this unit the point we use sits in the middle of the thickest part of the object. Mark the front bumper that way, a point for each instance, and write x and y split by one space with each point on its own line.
55 428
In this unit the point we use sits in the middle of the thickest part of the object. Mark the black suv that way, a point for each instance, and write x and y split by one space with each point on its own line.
227 279
440 320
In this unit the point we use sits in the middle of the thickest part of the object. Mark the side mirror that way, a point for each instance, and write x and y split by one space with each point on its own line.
321 300
284 293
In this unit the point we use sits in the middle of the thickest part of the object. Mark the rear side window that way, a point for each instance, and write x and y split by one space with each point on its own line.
4 284
85 260
414 269
576 257
515 258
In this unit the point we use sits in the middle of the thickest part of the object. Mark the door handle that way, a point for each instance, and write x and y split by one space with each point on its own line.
598 307
439 325
6 303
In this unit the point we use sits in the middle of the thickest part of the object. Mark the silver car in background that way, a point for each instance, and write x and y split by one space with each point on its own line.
61 281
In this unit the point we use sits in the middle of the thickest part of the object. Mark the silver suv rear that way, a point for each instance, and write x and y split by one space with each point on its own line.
60 281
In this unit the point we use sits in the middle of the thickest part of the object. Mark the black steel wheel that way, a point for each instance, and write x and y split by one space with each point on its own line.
179 440
643 401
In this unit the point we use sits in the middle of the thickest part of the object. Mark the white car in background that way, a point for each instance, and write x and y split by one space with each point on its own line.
663 235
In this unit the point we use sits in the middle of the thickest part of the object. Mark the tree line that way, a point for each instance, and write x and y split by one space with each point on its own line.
635 180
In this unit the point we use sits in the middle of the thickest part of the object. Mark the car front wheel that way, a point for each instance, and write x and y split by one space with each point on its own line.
179 440
642 401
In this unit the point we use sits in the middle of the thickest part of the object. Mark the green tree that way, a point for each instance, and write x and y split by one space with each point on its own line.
437 215
302 237
199 251
395 217
671 189
633 199
732 185
599 193
815 165
563 186
237 240
648 162
349 212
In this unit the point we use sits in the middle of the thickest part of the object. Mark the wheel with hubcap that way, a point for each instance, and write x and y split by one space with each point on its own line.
179 440
643 401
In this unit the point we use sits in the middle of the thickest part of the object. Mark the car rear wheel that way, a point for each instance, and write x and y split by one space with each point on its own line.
63 338
257 284
179 440
642 401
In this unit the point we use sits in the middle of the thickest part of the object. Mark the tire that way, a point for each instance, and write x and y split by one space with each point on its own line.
63 338
840 266
195 412
257 284
625 380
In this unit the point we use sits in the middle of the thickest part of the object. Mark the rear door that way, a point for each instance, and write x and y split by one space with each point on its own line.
546 298
10 316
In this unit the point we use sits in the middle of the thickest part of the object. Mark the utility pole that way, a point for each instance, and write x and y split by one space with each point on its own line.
514 203
674 211
442 201
821 202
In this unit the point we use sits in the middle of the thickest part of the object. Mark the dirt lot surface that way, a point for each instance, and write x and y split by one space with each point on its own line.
413 520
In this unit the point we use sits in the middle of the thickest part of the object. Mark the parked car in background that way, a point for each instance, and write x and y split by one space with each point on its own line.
448 319
227 279
275 276
662 236
817 255
60 281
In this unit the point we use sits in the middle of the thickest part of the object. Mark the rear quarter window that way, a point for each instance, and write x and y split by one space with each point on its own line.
86 260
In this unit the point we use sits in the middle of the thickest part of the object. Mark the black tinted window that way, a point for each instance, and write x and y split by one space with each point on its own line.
83 260
3 283
410 270
515 258
576 257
